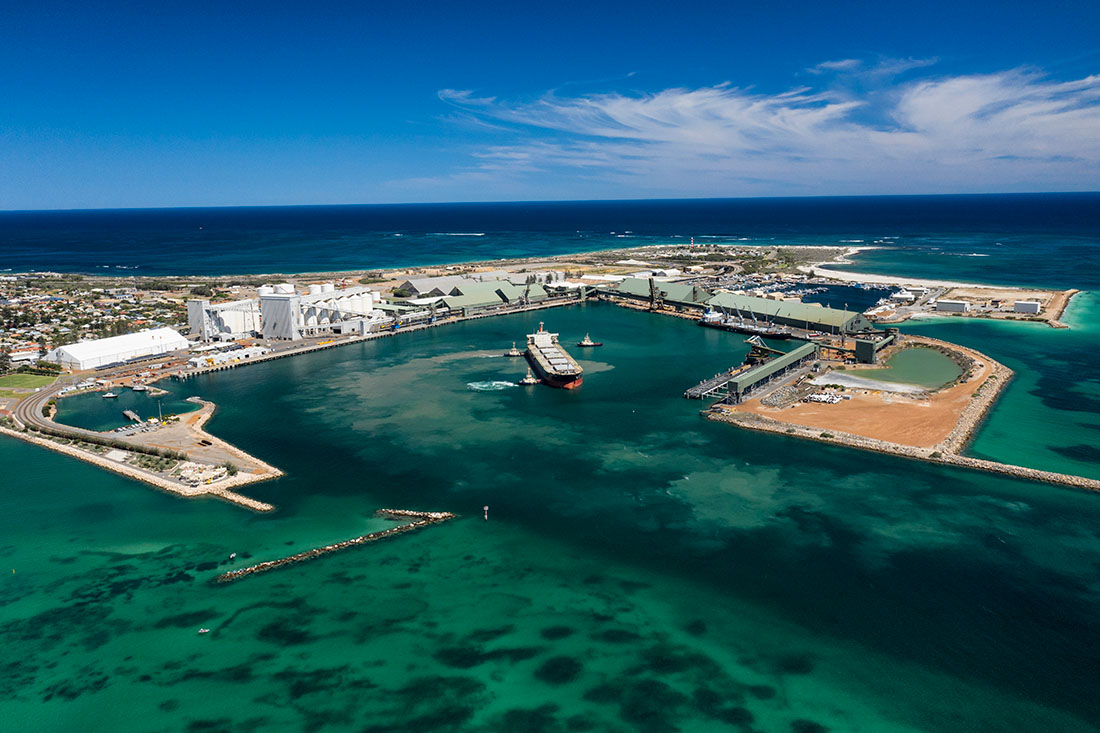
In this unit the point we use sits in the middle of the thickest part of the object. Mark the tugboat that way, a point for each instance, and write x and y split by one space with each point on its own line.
513 351
589 342
110 396
530 379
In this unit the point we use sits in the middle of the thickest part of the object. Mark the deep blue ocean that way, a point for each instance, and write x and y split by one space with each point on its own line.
1035 239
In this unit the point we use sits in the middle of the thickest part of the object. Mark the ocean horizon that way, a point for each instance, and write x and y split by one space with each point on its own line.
1020 230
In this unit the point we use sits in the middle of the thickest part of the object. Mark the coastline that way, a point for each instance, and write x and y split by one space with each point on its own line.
219 491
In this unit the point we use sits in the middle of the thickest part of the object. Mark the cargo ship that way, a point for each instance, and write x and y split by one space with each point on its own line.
551 363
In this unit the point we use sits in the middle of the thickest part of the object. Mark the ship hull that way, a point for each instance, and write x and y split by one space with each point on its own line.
778 335
556 381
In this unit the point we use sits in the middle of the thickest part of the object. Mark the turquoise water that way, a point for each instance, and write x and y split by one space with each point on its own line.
642 568
922 367
92 412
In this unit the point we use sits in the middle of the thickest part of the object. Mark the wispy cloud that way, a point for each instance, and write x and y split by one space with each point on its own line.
1013 130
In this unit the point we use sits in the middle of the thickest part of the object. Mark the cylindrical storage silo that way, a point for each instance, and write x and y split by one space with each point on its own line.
314 289
265 290
327 287
284 289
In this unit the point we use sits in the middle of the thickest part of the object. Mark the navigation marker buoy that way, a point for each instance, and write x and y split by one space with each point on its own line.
486 509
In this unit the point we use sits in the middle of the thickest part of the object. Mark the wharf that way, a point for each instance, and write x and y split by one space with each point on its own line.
419 521
334 343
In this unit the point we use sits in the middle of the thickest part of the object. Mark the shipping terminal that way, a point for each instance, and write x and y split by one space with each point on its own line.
551 363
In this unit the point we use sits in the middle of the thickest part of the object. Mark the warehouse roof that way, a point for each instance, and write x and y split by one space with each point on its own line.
124 346
472 301
676 292
765 370
810 312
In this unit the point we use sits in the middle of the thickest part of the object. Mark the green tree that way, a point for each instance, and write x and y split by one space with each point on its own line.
5 360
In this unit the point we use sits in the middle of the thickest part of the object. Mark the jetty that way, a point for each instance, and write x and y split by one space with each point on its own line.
419 520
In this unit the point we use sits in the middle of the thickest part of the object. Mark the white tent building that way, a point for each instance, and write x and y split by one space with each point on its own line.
100 352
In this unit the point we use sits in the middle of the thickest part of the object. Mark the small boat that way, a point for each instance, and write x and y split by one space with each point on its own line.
589 342
109 395
139 388
513 351
529 379
204 631
233 556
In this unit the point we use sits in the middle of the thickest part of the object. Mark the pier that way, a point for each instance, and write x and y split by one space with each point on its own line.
736 383
419 521
131 415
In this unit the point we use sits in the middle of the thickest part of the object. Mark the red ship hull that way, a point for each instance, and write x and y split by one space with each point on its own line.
551 380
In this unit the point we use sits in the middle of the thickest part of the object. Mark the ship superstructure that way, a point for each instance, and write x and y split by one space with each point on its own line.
554 366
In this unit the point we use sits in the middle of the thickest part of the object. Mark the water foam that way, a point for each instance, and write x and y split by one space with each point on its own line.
490 386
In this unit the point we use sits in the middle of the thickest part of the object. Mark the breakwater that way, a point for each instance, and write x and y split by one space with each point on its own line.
219 491
932 455
419 521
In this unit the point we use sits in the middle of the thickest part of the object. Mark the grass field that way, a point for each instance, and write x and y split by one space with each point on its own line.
25 381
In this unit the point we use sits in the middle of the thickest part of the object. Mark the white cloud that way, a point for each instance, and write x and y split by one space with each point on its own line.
831 66
1012 130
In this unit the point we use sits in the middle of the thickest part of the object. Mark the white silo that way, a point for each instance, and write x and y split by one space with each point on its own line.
314 289
327 288
311 316
284 289
265 290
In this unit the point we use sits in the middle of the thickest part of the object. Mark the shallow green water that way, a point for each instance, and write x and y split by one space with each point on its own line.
919 366
93 412
642 568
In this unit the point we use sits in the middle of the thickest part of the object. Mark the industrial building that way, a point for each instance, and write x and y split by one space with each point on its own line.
737 384
638 288
1032 307
232 356
223 320
809 316
118 349
953 306
289 315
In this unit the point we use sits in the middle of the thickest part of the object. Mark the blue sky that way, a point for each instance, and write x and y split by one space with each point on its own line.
163 104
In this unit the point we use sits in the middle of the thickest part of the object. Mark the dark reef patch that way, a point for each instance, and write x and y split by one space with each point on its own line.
652 705
665 659
187 618
807 726
469 656
794 664
284 631
761 692
698 627
542 719
559 670
553 633
481 636
617 636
